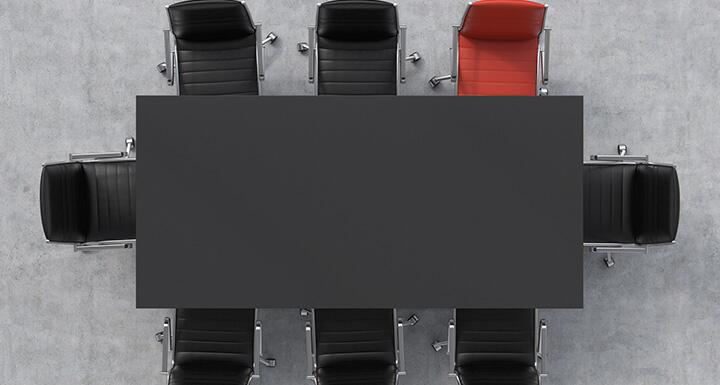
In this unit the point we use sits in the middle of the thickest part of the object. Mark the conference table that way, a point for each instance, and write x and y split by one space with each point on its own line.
359 202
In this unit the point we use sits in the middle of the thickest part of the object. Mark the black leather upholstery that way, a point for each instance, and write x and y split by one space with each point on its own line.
216 47
357 48
355 346
357 375
85 202
495 346
629 203
111 200
657 204
213 346
209 374
63 202
498 373
607 209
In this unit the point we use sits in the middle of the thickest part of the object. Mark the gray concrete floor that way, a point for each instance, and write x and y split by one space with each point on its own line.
69 72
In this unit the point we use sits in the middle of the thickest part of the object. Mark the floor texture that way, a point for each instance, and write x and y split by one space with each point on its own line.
69 73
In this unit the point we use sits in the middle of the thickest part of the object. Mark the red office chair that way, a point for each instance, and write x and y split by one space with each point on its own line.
501 49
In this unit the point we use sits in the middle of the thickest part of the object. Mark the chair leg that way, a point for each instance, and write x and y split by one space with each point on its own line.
437 345
609 261
268 362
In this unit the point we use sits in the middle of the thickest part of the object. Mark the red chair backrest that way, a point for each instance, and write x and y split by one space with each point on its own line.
498 48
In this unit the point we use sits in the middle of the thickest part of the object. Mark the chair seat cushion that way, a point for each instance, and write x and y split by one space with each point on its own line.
111 200
357 375
209 374
222 336
495 373
608 203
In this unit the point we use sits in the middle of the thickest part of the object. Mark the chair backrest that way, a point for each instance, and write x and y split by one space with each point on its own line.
656 202
630 203
352 336
498 48
88 201
223 336
357 47
216 47
495 336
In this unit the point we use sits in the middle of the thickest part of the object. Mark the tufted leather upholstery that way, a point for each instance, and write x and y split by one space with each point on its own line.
213 346
357 47
629 203
216 47
85 202
498 48
355 346
495 346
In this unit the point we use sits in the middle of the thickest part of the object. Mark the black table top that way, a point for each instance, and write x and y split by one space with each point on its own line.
359 202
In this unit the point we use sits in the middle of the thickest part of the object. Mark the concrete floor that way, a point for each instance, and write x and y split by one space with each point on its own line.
648 70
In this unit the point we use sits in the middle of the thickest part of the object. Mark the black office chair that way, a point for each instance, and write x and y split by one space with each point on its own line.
213 346
353 346
357 48
217 48
496 346
89 200
629 204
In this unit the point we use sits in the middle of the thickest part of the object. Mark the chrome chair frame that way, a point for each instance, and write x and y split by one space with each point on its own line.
622 158
310 344
540 351
543 57
165 337
90 157
168 70
310 47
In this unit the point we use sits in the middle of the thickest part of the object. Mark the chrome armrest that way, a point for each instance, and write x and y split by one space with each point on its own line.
451 345
310 368
98 155
165 337
167 68
542 348
129 147
615 248
400 347
105 245
622 156
545 57
401 54
312 54
403 57
436 80
257 349
454 53
260 52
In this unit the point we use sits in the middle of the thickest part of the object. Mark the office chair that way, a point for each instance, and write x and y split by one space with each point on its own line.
217 48
501 48
357 47
496 346
351 346
212 346
89 200
629 204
